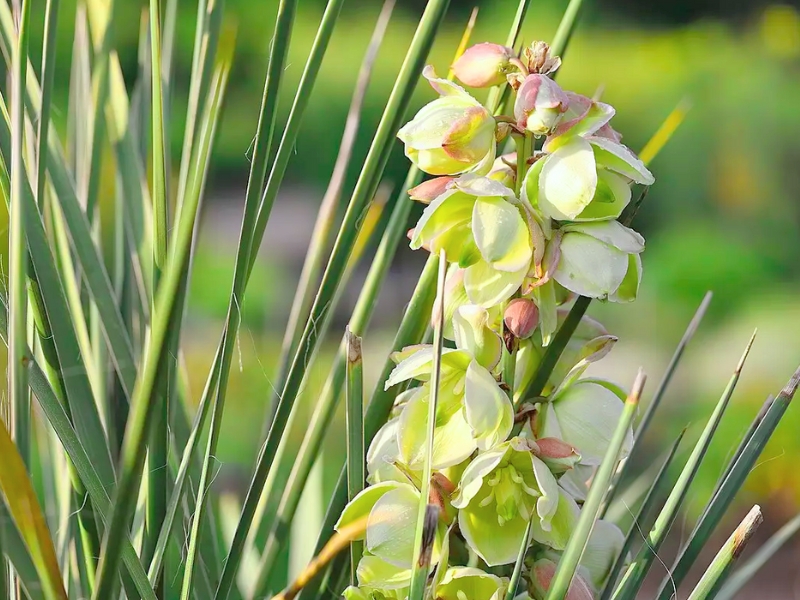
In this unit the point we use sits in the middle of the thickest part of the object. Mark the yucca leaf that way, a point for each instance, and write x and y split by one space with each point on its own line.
354 421
317 249
24 508
745 572
18 400
636 572
516 574
48 73
423 544
288 491
411 331
727 491
665 132
658 395
144 404
715 575
568 564
331 279
75 450
12 547
635 531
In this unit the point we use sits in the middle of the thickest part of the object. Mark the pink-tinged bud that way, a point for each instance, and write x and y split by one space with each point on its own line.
540 104
542 576
521 317
484 65
557 454
427 191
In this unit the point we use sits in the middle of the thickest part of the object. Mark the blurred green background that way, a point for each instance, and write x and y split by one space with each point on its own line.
724 214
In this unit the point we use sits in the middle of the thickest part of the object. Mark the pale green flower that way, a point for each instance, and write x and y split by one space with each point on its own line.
585 415
472 411
586 173
389 508
601 552
453 134
384 453
500 491
468 583
600 260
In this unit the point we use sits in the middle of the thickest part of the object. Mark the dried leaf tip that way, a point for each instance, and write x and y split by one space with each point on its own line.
746 352
791 387
353 346
745 530
428 535
638 386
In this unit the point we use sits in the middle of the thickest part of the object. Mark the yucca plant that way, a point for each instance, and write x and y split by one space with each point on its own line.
483 465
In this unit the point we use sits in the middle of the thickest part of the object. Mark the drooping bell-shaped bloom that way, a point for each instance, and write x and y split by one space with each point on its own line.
586 173
388 508
472 411
541 576
521 317
469 583
501 491
600 260
453 134
585 415
481 226
540 104
601 552
484 65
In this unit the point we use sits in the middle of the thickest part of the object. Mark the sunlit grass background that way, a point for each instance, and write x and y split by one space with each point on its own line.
724 214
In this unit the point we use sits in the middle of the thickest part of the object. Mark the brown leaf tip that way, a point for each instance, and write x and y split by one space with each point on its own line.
745 530
791 387
638 386
353 346
428 535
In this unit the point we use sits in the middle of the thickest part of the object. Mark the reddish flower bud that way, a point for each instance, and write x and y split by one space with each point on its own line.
484 65
521 317
540 104
542 576
427 191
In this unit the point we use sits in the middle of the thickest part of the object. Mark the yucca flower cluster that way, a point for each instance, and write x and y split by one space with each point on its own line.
523 233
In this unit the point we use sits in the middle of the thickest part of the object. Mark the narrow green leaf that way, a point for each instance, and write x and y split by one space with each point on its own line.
423 544
635 531
76 451
566 28
326 217
720 567
354 419
739 578
144 405
17 260
331 279
411 331
658 396
733 482
24 508
516 574
634 576
48 72
568 564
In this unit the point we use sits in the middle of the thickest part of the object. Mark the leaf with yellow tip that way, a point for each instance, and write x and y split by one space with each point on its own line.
27 515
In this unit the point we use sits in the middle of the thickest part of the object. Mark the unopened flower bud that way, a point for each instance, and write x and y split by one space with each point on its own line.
427 191
542 575
540 104
521 317
484 65
557 454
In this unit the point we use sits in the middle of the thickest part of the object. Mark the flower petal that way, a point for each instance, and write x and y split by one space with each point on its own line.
489 287
612 195
568 180
390 527
612 233
488 409
629 288
471 332
619 158
360 506
588 267
374 572
472 478
501 234
562 523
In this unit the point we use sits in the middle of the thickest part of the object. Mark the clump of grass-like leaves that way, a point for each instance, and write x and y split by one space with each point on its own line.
105 470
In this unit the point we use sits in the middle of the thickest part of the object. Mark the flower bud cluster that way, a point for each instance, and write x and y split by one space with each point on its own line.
523 234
